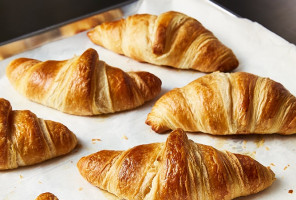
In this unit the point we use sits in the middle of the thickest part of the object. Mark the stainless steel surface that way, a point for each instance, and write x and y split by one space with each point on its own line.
68 30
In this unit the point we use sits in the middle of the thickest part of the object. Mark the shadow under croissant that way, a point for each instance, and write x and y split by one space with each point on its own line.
144 106
167 67
275 186
108 195
239 143
259 137
251 136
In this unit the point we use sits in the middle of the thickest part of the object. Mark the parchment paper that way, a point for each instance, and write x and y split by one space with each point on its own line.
259 51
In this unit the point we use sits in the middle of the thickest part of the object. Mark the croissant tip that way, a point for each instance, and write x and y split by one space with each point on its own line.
158 129
90 52
178 131
273 178
14 64
90 33
93 36
154 126
152 82
79 163
147 121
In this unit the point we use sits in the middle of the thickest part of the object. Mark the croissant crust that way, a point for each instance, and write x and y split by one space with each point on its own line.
171 39
227 103
27 140
83 85
47 196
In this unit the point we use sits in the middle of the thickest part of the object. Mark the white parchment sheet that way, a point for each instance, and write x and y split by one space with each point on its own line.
259 51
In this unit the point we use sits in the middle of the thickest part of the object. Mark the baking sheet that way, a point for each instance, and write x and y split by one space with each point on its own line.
259 51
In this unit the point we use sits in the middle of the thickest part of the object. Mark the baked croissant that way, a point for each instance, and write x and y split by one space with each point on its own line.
171 39
178 169
46 196
223 103
83 85
27 140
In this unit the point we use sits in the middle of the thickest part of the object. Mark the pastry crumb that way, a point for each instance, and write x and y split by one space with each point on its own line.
124 137
39 182
290 191
244 144
259 142
81 188
94 140
251 154
21 176
267 148
286 167
272 164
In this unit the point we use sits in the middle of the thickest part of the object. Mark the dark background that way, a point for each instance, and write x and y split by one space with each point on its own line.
23 18
279 16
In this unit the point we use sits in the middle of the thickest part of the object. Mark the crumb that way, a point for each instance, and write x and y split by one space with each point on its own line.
259 142
267 148
95 139
290 191
251 154
244 144
80 188
124 137
21 176
39 182
286 167
71 161
272 164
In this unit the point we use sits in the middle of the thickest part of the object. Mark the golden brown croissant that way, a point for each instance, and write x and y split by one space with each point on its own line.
223 103
27 140
46 196
83 85
171 39
177 169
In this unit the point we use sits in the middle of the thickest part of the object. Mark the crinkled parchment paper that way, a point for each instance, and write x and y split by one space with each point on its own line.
259 51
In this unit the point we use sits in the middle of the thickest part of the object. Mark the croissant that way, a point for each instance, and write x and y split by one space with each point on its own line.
46 196
171 39
227 103
27 140
177 169
83 85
